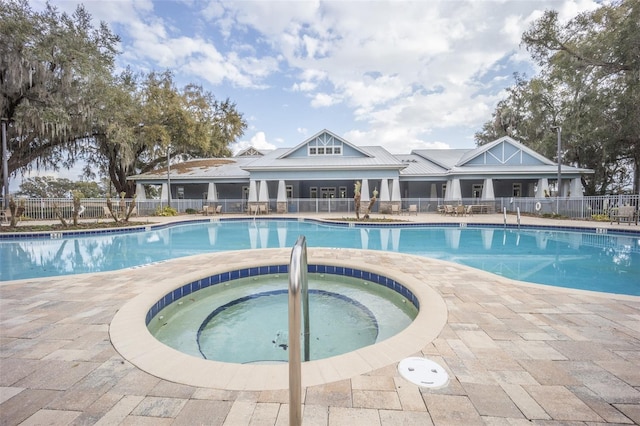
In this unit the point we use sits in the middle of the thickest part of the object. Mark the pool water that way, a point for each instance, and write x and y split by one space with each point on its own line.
565 258
246 320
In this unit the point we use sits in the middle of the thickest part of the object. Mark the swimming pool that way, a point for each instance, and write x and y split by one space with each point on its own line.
559 257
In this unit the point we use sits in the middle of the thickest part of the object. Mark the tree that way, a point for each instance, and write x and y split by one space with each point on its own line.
597 54
589 86
53 70
50 187
151 121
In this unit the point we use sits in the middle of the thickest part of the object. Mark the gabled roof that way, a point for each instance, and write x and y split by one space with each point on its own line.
249 152
503 152
445 158
323 135
374 157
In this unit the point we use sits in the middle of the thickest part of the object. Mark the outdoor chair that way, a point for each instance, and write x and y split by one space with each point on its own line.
413 208
395 209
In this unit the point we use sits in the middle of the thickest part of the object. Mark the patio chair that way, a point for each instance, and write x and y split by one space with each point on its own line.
263 209
449 209
218 209
413 208
441 209
395 209
460 210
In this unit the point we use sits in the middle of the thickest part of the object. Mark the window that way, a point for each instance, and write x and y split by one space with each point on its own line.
444 190
313 192
328 192
180 192
517 189
477 190
289 190
325 144
343 192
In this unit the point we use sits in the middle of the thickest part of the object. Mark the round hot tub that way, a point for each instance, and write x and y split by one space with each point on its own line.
380 346
245 320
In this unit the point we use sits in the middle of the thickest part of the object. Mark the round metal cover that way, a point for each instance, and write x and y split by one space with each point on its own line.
423 372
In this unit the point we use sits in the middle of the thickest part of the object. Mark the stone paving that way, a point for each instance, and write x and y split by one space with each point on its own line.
516 354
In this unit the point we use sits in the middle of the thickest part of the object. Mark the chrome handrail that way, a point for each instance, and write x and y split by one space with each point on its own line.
298 288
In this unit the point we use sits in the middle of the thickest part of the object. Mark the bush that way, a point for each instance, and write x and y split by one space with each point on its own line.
166 211
600 217
190 211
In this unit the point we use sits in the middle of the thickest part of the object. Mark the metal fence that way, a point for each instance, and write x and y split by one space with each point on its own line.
96 208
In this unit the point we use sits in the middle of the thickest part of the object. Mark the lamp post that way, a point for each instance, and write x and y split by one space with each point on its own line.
5 165
168 176
558 129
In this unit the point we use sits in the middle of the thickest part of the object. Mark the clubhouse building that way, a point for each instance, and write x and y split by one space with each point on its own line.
325 168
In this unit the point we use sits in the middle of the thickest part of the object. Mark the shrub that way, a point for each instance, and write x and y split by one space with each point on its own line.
166 211
190 211
600 217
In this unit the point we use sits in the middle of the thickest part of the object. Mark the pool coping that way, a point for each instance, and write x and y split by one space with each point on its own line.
131 338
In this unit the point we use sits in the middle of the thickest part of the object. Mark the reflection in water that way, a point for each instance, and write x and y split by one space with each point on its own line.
595 261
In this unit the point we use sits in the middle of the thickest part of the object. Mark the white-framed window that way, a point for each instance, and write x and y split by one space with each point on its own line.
313 192
517 189
476 190
289 190
325 144
444 190
342 192
328 192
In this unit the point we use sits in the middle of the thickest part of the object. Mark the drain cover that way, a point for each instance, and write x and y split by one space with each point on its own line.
423 372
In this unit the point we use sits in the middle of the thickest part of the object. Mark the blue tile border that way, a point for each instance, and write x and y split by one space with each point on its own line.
202 283
152 227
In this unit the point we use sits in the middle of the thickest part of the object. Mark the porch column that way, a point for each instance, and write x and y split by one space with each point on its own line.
434 191
385 205
487 190
364 196
543 186
396 197
575 188
140 193
281 201
164 194
263 195
253 196
211 192
453 190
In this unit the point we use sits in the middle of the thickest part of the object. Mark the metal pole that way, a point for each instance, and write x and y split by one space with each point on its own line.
168 177
559 129
297 284
5 166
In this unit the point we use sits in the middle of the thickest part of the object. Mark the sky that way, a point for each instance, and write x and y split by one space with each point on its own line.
400 74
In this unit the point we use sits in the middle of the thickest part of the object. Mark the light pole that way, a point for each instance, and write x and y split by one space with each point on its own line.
5 165
168 176
558 129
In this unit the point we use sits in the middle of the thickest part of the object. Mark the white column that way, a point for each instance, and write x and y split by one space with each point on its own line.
164 194
211 192
140 194
282 192
543 184
384 190
263 195
364 193
395 190
434 191
253 192
453 190
487 190
576 188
